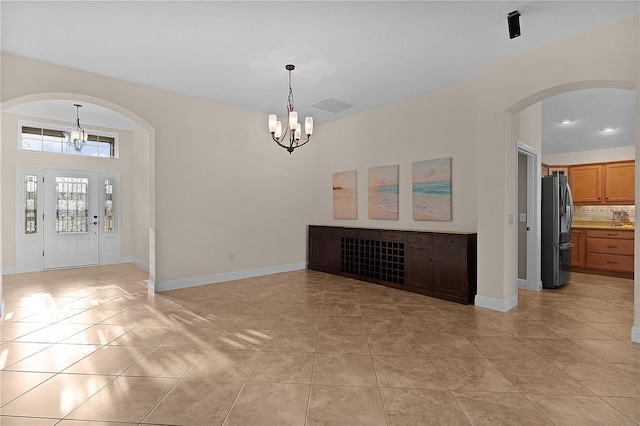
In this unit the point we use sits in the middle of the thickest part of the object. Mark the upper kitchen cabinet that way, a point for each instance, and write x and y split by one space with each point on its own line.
620 182
586 183
560 169
603 183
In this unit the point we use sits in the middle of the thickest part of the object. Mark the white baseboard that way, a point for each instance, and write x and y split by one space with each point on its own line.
151 286
635 334
140 264
501 305
1 307
229 276
522 283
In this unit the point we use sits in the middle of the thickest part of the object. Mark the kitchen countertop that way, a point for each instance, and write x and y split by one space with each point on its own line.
605 224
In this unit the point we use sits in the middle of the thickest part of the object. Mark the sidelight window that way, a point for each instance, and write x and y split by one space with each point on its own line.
109 198
30 204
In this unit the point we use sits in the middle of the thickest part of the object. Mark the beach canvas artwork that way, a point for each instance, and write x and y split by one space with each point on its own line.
383 192
431 187
345 195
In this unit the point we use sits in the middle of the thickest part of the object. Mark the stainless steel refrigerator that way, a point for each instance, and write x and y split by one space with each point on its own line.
557 215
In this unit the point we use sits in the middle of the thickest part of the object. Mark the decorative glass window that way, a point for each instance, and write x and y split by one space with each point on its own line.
109 194
71 212
30 204
48 140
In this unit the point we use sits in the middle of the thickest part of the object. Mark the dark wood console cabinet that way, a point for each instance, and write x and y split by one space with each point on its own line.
437 264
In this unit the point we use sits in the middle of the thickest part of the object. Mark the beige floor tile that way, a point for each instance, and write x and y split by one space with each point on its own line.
99 334
54 315
165 362
297 322
53 333
421 407
56 397
617 330
130 317
406 372
496 408
379 309
447 346
394 343
223 365
612 351
186 404
342 343
125 399
14 330
472 375
561 350
15 383
91 316
602 378
145 336
254 321
282 367
270 404
502 347
12 352
242 340
630 368
92 423
578 410
193 337
291 341
341 309
211 318
54 359
630 407
313 309
347 325
539 376
344 369
108 360
345 405
28 421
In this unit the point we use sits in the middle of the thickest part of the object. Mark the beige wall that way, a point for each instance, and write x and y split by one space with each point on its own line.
434 125
140 195
13 156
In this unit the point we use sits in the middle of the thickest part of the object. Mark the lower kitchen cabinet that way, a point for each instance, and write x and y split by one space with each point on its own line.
604 251
441 265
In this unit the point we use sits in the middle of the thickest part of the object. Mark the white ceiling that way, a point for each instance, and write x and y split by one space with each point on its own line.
365 53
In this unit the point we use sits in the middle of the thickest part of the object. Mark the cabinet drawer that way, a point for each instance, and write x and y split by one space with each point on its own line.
610 245
315 230
392 235
366 234
350 233
414 237
605 233
331 231
610 261
449 240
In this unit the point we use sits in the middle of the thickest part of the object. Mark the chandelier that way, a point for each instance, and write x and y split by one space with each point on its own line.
77 135
289 137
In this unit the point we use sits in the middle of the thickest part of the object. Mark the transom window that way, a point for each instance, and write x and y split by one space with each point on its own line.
49 140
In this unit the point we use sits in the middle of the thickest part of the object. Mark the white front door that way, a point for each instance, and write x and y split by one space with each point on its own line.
71 218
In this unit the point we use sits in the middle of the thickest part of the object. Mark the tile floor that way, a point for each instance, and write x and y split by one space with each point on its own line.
91 345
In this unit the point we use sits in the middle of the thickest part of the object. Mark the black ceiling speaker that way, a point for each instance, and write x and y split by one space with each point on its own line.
513 19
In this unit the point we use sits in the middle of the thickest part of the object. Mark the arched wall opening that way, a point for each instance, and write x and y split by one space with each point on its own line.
145 132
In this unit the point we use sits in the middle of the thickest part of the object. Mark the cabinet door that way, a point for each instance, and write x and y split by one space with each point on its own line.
331 255
586 183
419 262
578 249
620 182
450 271
315 247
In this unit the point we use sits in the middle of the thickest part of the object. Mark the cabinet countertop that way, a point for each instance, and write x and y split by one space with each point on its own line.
601 225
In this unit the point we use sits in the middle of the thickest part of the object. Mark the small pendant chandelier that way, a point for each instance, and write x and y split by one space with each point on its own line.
289 137
77 135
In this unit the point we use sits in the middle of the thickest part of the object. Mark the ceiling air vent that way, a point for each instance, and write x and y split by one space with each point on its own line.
332 105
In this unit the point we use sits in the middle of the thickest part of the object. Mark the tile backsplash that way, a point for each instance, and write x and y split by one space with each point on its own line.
601 213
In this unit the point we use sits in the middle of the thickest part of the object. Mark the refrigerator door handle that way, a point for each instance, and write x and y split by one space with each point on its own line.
565 246
570 205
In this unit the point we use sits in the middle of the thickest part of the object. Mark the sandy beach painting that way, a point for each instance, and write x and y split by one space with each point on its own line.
431 187
345 195
383 192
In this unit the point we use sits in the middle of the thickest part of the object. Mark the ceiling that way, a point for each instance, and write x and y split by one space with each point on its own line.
364 53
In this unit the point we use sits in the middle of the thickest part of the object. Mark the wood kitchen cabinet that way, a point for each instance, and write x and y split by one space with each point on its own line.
603 183
560 169
578 257
603 251
586 183
620 182
441 265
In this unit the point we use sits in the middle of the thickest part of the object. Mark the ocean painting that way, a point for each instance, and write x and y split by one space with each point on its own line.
345 195
383 192
431 187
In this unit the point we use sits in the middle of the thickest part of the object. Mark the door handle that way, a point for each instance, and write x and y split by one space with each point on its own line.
95 223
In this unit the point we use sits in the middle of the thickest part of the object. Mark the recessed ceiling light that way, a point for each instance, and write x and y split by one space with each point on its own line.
566 122
608 129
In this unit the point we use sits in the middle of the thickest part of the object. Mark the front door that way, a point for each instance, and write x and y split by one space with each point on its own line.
71 222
